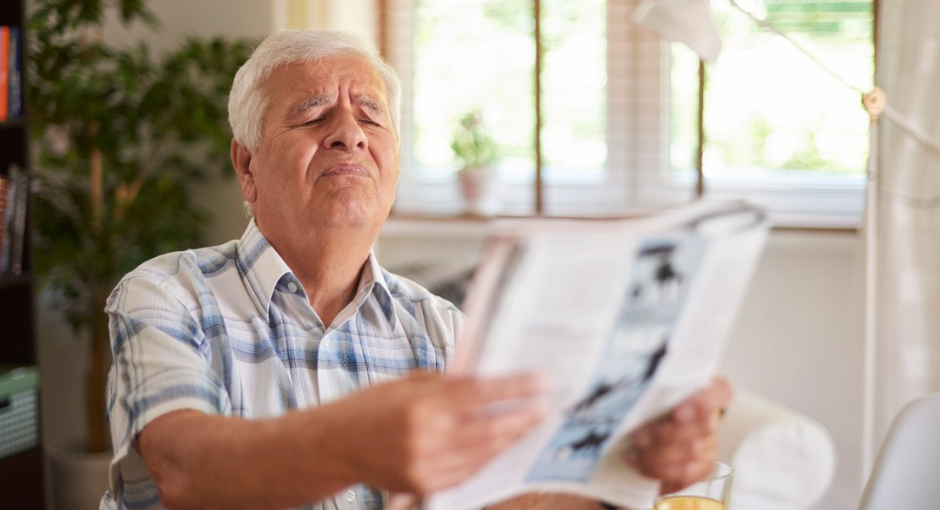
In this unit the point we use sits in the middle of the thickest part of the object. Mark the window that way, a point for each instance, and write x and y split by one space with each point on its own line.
779 129
600 84
605 119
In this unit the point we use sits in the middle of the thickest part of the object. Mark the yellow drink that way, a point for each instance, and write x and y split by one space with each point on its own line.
689 503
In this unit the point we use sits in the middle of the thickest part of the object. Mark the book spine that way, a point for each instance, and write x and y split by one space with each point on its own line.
18 244
7 241
4 70
4 187
15 75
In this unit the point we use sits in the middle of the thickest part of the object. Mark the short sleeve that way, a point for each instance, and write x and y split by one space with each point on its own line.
162 363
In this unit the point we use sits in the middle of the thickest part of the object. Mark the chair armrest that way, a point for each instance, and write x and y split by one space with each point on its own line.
783 460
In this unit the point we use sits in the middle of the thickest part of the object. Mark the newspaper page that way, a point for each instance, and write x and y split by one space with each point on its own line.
627 317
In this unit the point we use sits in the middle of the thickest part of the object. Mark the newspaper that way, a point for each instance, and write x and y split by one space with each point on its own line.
627 317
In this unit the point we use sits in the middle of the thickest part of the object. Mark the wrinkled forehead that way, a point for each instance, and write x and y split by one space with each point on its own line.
327 76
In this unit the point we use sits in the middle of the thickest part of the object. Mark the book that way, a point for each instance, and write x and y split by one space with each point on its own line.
14 221
627 316
4 70
4 186
18 226
15 75
7 219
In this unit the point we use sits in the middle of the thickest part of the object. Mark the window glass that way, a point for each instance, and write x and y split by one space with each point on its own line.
574 89
769 110
474 55
479 55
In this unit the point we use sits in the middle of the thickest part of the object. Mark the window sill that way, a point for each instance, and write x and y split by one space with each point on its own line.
815 201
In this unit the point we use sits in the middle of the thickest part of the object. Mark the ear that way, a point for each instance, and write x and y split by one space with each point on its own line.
241 160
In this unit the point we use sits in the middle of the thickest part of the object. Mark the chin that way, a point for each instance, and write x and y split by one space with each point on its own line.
352 207
354 215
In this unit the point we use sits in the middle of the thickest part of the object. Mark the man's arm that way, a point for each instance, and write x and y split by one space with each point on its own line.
418 435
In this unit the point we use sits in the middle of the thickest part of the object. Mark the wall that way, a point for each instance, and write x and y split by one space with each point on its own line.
798 340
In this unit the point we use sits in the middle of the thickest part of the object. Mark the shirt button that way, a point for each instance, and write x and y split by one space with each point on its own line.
350 495
292 287
326 342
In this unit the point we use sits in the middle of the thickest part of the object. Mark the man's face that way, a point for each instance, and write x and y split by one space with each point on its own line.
328 154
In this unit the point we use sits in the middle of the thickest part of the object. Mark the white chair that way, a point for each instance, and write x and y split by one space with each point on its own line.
783 460
907 472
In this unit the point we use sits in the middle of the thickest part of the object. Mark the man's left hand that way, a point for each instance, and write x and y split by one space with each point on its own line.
680 448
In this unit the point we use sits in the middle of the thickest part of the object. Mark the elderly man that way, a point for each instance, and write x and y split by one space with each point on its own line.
288 368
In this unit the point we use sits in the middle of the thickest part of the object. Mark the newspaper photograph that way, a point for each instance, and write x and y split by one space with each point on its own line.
627 317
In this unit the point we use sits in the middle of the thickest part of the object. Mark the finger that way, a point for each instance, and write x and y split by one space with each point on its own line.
669 431
468 397
694 473
677 453
487 439
454 452
488 428
677 462
402 501
680 477
706 402
479 392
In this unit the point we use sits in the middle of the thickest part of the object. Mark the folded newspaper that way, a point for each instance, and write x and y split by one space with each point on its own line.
627 316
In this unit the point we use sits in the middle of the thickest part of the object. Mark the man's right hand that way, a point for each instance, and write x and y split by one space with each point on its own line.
426 432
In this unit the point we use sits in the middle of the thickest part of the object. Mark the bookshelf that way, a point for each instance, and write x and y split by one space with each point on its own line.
21 474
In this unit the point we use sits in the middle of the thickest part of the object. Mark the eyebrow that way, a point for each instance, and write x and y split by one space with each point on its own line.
362 100
312 102
370 103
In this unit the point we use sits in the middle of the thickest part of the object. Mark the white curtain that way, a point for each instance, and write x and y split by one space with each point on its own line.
906 347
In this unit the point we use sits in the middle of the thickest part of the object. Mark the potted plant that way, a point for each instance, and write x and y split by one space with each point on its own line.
119 136
475 149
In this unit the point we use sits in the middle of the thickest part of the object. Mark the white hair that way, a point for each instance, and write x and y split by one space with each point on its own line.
247 102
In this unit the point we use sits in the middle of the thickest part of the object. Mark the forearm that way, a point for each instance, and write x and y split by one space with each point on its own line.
203 461
545 501
415 435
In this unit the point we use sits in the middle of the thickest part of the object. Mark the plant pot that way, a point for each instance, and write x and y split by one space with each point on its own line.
480 190
78 478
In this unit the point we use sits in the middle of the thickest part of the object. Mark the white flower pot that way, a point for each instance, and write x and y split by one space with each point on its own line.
480 190
78 479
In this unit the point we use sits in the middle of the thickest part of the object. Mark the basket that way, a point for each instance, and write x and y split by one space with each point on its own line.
19 409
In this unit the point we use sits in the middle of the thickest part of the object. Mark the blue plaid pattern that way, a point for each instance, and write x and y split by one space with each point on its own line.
228 330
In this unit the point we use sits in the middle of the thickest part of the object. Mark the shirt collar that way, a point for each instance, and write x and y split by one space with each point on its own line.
373 271
380 288
262 268
371 283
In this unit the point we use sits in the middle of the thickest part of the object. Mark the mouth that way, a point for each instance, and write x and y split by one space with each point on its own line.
344 170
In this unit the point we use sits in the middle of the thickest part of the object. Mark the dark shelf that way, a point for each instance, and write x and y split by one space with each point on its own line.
20 280
11 15
21 481
18 122
21 475
14 145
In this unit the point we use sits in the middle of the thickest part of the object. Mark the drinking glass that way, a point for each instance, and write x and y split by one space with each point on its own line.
710 493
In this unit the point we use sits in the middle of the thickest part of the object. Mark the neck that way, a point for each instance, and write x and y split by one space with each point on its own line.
328 264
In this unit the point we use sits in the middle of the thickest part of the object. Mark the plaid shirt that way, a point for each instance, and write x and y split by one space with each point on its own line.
228 330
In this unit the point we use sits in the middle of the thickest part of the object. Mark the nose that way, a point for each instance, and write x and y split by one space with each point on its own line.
344 132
